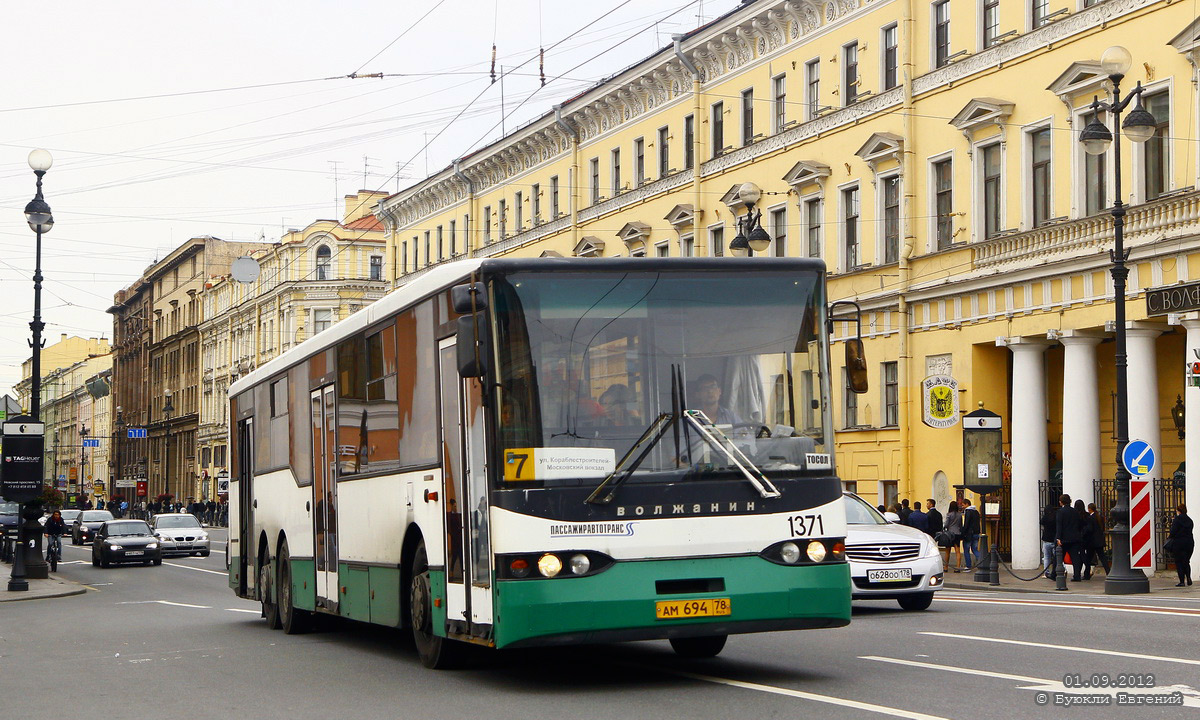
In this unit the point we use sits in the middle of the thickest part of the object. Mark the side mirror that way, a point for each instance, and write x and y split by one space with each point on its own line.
469 298
856 365
472 345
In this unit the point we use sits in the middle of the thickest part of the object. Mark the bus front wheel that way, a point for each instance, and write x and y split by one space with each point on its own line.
699 647
435 652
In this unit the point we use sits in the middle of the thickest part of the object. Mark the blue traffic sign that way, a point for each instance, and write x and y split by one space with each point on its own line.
135 433
91 442
1138 458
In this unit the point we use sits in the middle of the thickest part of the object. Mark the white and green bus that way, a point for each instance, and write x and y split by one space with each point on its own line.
521 452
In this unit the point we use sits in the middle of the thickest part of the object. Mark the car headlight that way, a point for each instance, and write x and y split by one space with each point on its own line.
816 551
114 547
549 565
151 546
929 549
202 536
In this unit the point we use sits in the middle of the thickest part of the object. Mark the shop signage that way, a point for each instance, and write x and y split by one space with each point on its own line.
21 470
939 397
1173 299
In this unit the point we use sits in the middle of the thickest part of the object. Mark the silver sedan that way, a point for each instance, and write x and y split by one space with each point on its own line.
890 561
180 534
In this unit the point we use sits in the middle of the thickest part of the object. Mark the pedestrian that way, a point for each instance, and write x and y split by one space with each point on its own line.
1069 535
933 517
918 519
1089 539
1181 543
892 514
881 509
971 530
1097 544
953 528
1048 542
903 511
99 503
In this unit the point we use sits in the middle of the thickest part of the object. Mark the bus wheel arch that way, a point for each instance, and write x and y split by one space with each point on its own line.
412 540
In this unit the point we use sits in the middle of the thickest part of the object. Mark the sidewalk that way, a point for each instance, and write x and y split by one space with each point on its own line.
38 589
1161 584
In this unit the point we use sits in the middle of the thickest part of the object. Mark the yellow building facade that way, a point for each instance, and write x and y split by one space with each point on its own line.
928 153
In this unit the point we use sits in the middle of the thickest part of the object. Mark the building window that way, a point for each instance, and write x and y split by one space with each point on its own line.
812 224
943 203
1156 149
322 319
554 197
1039 171
535 202
324 263
376 267
812 88
992 207
779 230
639 162
428 250
416 256
453 237
779 101
404 257
891 219
616 172
487 223
1095 176
941 33
850 404
594 171
440 243
519 211
687 246
718 128
689 142
716 240
664 152
662 250
1038 9
991 22
502 219
891 395
890 57
850 227
466 233
850 73
747 117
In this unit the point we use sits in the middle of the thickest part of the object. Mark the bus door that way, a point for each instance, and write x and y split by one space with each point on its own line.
453 500
324 447
474 436
245 509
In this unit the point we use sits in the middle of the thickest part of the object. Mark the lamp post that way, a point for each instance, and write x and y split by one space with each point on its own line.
168 408
83 465
115 450
751 235
1096 139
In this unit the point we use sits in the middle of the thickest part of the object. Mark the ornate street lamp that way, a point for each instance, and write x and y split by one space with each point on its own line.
40 219
751 235
1139 127
168 408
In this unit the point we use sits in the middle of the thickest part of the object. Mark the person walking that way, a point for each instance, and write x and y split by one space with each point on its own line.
891 514
1048 527
971 531
904 511
933 517
953 528
1181 543
1097 545
1069 535
1088 538
918 519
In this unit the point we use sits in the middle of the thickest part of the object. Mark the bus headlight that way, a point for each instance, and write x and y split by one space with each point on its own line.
580 564
549 565
790 553
816 551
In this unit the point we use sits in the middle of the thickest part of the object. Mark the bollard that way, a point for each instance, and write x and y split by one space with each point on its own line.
1060 570
994 578
981 568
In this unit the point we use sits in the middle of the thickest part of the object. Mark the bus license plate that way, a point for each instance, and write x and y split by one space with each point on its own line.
892 575
679 609
136 552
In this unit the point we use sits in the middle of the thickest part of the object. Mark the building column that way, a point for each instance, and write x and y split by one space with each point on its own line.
1081 417
1191 402
1030 460
1143 403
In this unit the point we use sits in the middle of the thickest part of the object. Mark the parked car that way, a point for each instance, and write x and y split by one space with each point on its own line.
890 561
86 523
180 534
68 516
10 516
120 541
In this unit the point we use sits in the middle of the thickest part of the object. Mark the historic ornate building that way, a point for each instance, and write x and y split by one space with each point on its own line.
928 152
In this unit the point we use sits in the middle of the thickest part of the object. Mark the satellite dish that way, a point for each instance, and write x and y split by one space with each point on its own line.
245 269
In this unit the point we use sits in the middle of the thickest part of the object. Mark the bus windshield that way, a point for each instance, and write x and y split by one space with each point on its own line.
593 364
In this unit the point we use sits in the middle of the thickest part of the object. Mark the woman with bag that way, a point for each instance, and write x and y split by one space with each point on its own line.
1181 543
953 528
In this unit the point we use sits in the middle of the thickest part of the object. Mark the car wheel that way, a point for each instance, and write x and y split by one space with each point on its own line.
916 602
95 560
434 651
266 593
699 647
204 554
158 561
293 619
104 561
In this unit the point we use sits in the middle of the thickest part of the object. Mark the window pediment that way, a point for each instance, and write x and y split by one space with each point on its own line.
551 253
1188 41
732 198
807 172
881 146
589 246
634 232
981 112
681 216
1081 77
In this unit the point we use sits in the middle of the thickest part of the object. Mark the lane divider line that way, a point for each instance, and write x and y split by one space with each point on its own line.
197 569
1146 609
165 602
1095 651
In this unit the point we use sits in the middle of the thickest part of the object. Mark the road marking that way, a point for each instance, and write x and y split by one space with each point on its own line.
1115 653
828 699
165 602
191 567
1144 609
256 612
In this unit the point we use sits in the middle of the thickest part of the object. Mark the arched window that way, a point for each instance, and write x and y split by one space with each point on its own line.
324 257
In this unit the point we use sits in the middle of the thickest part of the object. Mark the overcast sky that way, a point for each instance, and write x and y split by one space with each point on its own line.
173 120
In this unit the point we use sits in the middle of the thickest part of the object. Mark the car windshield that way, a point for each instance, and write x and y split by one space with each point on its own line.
858 512
130 527
96 516
9 508
176 521
592 363
70 515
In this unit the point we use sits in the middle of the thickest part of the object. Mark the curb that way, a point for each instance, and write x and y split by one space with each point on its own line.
66 589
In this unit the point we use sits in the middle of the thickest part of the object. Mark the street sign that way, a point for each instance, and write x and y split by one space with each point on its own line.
223 486
91 442
137 433
1138 457
1141 530
21 471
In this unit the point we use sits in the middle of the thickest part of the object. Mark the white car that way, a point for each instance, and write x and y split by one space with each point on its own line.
889 561
180 534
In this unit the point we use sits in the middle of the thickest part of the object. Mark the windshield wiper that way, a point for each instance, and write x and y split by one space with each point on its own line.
641 449
715 437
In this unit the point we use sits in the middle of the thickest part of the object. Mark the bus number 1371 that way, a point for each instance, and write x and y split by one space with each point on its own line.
806 525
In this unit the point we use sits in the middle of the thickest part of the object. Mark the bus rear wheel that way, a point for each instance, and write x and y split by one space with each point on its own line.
293 619
266 593
699 647
435 652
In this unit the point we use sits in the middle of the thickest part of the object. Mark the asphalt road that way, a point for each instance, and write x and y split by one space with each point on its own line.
174 642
